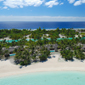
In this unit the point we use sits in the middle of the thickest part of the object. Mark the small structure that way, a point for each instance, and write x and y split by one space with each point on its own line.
80 35
62 36
83 48
10 49
52 47
67 48
76 35
16 47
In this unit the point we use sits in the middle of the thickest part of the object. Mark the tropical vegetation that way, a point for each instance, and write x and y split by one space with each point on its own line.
34 50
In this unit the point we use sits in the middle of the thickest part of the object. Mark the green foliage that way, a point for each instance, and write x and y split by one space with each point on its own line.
44 54
83 34
45 41
67 54
67 43
23 57
43 57
79 54
69 32
1 53
82 40
14 33
0 47
34 56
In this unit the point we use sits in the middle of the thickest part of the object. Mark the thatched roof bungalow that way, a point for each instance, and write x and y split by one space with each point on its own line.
52 47
10 49
83 48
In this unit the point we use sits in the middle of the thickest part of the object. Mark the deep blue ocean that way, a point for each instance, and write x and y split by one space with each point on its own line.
45 25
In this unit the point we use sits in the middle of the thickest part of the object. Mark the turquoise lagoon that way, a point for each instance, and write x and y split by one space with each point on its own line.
46 78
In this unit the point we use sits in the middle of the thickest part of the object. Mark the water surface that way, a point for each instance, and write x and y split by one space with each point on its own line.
46 78
35 25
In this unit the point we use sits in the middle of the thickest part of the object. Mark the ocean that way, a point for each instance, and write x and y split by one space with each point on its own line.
46 78
45 25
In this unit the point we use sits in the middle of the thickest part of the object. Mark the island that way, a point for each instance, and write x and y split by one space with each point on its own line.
23 51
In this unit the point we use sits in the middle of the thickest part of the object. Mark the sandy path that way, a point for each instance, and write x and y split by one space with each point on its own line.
7 68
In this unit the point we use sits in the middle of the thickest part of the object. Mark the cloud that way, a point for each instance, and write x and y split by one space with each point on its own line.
21 3
52 3
71 1
83 1
5 7
61 3
1 0
76 3
79 2
41 18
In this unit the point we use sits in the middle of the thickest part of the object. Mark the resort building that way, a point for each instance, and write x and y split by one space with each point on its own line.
52 47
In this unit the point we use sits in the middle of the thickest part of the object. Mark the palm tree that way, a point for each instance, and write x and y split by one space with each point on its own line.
1 52
6 54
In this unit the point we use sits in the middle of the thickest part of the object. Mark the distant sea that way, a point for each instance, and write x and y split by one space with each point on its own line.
45 25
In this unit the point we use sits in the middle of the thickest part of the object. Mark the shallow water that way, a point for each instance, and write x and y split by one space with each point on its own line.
46 78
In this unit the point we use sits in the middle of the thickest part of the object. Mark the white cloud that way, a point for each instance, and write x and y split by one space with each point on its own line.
1 0
21 3
79 2
52 3
71 1
61 3
83 1
41 18
5 7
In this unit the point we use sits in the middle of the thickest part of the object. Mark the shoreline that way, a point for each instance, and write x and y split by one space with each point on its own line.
33 29
9 69
43 71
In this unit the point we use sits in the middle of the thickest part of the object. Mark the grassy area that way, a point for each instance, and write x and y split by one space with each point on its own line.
83 33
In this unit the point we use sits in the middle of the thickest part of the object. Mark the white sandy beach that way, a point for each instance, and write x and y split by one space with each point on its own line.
53 64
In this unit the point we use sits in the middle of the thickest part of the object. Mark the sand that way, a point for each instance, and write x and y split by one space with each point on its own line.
6 38
8 68
62 36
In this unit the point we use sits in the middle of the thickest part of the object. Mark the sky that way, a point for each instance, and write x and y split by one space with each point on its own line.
42 10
